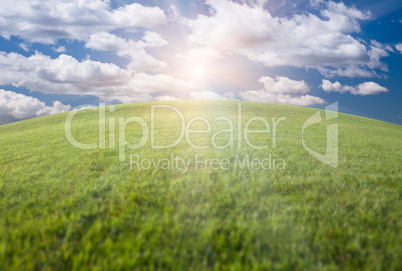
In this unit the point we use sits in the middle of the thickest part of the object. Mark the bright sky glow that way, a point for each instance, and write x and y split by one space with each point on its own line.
56 55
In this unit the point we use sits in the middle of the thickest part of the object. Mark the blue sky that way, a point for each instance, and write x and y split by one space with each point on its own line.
57 55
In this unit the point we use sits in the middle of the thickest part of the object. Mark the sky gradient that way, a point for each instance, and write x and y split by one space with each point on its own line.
59 55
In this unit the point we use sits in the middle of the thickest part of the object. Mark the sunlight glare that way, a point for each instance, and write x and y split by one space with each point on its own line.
199 72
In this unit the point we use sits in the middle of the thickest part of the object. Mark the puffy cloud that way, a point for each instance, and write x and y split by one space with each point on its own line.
282 90
283 85
206 95
334 9
153 39
399 47
304 40
214 55
66 75
46 22
335 87
367 88
15 106
140 60
135 15
104 41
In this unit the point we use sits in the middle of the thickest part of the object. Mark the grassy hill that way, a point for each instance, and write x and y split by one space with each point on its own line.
65 208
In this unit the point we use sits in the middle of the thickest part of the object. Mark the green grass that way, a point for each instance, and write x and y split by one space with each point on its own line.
63 208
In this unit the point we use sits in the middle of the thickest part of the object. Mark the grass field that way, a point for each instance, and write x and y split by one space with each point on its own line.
64 208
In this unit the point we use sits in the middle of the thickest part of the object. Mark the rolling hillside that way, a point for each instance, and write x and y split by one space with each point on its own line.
211 201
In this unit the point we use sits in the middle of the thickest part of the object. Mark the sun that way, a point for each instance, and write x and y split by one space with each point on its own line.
199 72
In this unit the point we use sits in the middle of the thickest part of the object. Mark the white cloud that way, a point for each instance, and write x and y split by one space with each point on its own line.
60 49
283 85
153 39
263 96
135 15
351 71
66 75
334 9
386 47
140 60
303 40
370 88
166 98
15 106
282 90
24 47
206 95
367 88
83 107
399 47
104 41
327 86
46 22
217 46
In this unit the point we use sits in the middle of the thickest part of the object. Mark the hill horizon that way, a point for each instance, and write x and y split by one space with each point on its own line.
201 184
204 100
